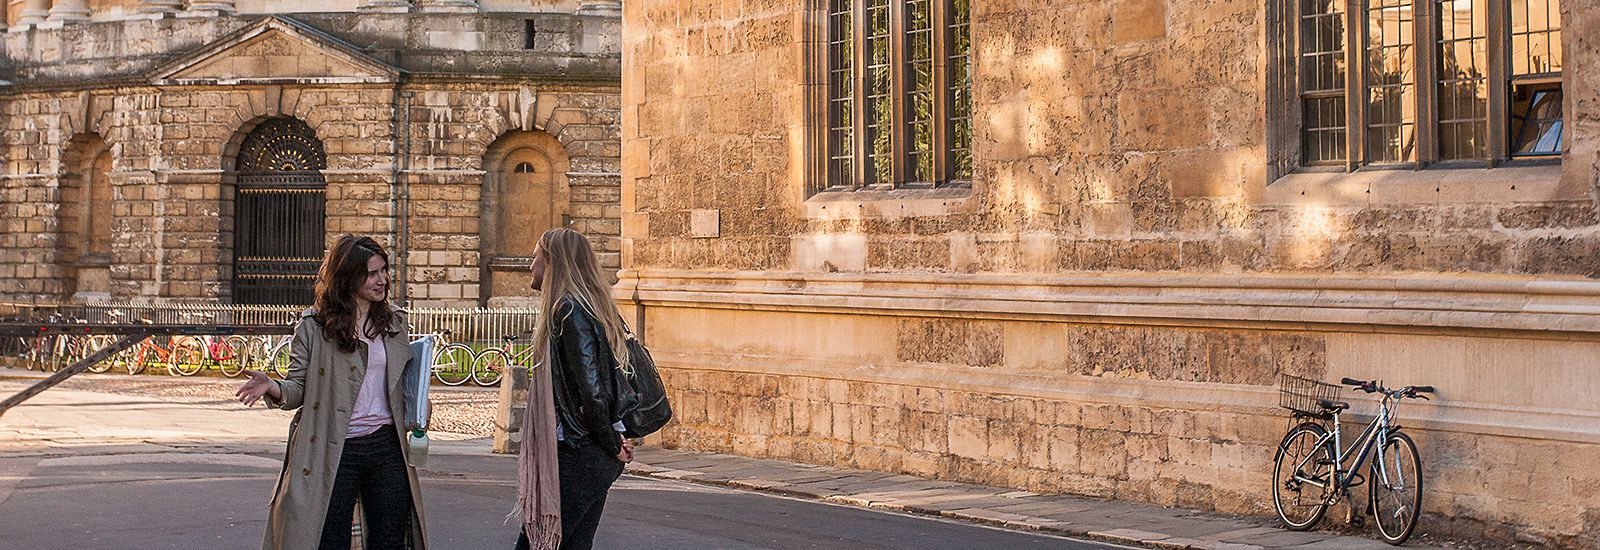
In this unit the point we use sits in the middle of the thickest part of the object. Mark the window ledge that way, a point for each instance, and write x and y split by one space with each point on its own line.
898 203
1440 185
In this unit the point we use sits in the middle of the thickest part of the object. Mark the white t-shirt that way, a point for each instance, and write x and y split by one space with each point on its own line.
372 404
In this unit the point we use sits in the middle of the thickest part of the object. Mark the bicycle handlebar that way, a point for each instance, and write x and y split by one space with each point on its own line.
1372 386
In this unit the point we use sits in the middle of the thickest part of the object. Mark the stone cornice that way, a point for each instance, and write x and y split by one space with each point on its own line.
1554 308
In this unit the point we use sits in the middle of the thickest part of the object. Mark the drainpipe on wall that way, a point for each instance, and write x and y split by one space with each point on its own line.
399 296
403 176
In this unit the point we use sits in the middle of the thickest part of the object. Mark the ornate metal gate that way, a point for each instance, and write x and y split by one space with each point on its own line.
279 210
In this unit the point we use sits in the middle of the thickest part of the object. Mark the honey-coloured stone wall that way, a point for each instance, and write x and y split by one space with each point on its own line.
1107 309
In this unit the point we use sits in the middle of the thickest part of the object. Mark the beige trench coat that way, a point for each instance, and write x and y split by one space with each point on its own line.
326 381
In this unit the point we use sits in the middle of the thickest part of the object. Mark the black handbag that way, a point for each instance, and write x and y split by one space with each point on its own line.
653 411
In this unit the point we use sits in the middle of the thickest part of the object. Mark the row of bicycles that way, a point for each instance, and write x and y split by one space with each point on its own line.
454 363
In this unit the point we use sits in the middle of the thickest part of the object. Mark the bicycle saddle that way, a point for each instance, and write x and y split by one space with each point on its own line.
1333 406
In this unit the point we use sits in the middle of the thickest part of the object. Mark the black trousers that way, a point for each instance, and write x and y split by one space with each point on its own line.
372 468
586 473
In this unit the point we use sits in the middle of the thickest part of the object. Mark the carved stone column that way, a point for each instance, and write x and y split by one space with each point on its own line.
447 6
209 8
385 6
161 8
32 14
612 8
69 11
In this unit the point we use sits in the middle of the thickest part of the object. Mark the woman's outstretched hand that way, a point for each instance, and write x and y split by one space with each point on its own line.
257 386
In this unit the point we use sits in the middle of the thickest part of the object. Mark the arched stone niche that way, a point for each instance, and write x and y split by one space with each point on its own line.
84 218
524 194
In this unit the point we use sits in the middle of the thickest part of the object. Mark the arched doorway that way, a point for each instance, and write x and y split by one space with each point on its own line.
524 195
279 214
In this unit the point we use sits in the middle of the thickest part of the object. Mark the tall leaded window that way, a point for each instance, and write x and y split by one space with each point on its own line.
1535 77
1322 77
897 106
1416 82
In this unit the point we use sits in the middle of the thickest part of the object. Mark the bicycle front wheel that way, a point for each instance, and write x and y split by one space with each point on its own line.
187 357
278 360
1396 488
137 357
487 369
1303 477
453 364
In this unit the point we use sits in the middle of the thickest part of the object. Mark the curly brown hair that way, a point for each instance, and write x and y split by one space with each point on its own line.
343 273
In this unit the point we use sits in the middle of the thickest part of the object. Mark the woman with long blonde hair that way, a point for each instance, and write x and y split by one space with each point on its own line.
572 446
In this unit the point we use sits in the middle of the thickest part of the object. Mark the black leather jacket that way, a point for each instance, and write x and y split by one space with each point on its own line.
586 381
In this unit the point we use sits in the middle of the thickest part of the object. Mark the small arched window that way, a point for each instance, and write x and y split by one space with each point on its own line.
524 168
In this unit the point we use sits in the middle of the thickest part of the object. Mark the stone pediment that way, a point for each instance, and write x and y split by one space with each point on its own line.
276 50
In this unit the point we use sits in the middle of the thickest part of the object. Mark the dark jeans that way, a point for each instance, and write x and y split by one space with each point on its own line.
372 468
587 473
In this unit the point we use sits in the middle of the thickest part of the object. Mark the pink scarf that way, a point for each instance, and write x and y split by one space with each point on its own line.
538 485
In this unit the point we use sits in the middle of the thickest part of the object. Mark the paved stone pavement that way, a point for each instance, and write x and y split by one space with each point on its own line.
220 427
1113 521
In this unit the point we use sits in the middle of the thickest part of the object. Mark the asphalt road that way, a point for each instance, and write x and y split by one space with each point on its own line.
217 501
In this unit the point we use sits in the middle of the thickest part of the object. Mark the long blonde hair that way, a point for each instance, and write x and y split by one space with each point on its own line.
572 271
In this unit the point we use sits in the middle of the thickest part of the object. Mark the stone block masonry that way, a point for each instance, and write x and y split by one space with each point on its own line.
173 140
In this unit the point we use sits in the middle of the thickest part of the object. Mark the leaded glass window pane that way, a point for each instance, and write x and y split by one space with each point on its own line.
919 91
1322 80
880 119
1537 121
841 94
1463 65
1535 37
1391 95
960 96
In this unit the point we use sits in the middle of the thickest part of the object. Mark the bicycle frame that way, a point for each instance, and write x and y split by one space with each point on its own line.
1371 437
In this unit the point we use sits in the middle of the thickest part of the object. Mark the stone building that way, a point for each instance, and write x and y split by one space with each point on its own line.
1070 245
210 149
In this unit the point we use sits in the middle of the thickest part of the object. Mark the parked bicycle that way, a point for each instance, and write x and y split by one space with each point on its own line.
1313 470
492 363
173 354
227 353
452 363
269 354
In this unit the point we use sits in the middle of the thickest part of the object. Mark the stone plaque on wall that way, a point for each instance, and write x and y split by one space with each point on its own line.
705 224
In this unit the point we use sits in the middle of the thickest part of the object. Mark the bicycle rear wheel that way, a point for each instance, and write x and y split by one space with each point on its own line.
97 343
232 355
490 365
187 357
1396 488
452 365
1303 477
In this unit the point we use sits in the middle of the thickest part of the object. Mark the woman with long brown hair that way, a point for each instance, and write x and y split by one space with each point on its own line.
346 360
572 448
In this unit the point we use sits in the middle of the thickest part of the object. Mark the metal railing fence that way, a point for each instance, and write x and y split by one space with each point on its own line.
467 325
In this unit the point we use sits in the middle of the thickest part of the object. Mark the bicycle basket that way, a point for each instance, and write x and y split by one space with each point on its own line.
1304 394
